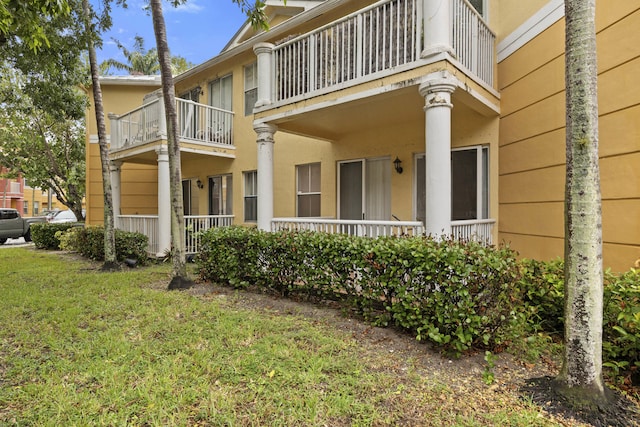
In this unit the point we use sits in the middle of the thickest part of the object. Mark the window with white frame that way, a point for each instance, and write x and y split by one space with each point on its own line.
250 88
25 207
221 195
469 184
221 93
250 196
36 208
308 190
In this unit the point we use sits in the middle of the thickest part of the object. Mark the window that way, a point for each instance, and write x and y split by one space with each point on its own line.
190 197
220 93
25 207
469 184
36 208
308 190
478 5
250 88
251 196
221 195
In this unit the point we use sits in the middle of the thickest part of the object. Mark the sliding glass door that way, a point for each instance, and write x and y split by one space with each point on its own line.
365 189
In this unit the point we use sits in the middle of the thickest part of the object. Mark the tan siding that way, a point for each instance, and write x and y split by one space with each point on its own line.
532 142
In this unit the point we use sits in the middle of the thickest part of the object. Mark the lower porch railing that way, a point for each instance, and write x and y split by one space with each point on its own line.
480 230
193 224
351 227
477 229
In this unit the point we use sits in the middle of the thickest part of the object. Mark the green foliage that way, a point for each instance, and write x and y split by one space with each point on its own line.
542 286
47 236
488 375
621 338
458 295
89 242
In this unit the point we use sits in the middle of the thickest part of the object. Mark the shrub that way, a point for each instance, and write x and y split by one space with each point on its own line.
44 235
542 287
455 294
89 242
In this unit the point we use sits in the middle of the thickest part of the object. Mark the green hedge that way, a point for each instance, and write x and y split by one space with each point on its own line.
89 242
543 288
44 234
458 295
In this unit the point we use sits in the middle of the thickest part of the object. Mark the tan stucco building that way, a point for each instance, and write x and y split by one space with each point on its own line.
444 116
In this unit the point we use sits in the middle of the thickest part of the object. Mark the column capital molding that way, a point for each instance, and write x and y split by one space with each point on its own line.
265 131
263 47
437 89
113 116
163 152
115 165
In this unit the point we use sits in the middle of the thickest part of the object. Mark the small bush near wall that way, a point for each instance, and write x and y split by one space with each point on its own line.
457 295
89 242
44 234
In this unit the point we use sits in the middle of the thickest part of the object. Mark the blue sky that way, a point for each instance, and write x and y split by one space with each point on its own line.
197 30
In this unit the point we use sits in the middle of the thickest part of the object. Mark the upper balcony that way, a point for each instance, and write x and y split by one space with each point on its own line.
388 37
201 129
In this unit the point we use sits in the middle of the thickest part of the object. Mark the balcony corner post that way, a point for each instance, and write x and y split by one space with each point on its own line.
437 27
115 131
265 141
437 89
264 52
162 126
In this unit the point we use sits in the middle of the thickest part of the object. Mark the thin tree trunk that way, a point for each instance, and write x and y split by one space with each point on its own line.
582 365
180 278
110 262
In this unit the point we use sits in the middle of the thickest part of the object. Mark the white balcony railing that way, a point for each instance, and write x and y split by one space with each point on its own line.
139 126
195 224
351 227
379 38
15 187
472 40
480 230
203 123
196 123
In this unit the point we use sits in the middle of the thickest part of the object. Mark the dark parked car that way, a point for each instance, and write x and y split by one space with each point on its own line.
13 226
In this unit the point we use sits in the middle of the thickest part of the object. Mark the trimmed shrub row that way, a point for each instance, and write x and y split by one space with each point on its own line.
458 295
89 241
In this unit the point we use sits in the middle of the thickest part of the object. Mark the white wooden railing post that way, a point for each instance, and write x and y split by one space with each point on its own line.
115 131
437 27
264 52
437 90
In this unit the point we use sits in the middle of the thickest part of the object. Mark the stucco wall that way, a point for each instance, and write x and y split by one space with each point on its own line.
532 139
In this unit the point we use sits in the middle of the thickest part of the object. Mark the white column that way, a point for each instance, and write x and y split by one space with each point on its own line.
164 202
114 169
437 27
264 52
265 142
437 90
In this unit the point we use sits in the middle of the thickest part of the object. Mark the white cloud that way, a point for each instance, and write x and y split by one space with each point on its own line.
191 6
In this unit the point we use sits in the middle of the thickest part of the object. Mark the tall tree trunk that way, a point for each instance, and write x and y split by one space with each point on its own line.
110 261
581 375
180 278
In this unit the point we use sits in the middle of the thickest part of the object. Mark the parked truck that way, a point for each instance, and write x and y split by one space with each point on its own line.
13 226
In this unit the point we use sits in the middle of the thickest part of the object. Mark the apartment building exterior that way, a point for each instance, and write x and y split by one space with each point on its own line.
397 116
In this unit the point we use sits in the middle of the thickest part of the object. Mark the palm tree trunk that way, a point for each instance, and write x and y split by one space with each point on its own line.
180 278
581 373
110 261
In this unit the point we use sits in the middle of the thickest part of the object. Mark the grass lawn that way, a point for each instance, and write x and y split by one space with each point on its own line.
79 347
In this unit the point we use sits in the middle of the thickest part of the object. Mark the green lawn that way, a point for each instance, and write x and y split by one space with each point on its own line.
79 347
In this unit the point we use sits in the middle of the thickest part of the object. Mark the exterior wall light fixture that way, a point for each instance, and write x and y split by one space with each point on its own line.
397 164
200 184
